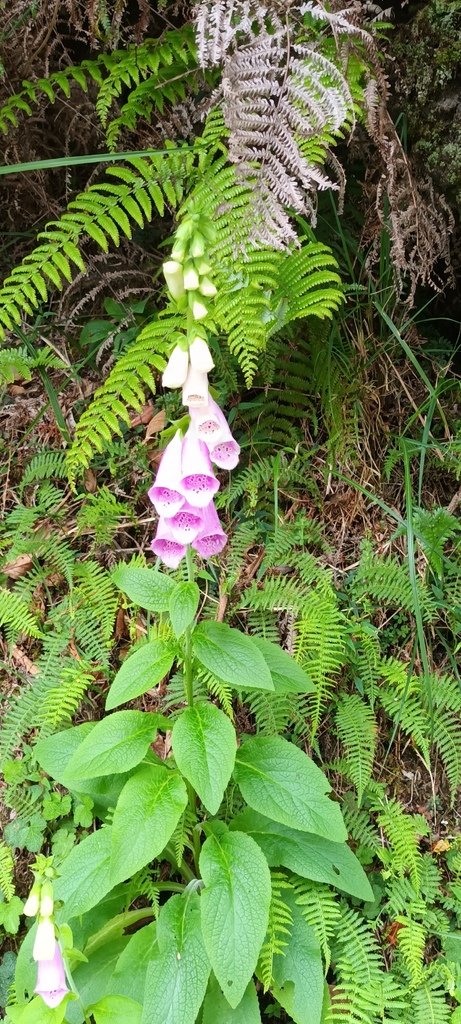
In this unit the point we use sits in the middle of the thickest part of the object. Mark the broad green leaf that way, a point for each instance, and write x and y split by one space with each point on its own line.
116 1010
140 672
204 746
178 974
116 744
148 588
216 1009
36 1012
54 754
84 875
287 675
231 656
235 908
298 974
148 810
280 781
130 973
183 606
94 978
307 855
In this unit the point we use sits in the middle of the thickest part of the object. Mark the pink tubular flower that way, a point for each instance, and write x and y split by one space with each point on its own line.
211 539
186 524
165 494
198 482
226 453
170 550
51 979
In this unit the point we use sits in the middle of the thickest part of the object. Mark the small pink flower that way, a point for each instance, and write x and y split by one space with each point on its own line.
51 979
170 550
225 454
165 494
198 482
212 428
211 539
186 524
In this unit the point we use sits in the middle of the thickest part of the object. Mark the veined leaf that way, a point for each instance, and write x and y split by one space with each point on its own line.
116 744
140 672
148 810
231 656
204 746
178 973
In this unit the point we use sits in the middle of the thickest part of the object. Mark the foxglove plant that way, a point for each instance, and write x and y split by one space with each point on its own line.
51 982
185 485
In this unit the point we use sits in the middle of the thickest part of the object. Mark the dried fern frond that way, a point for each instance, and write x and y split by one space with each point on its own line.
418 221
285 102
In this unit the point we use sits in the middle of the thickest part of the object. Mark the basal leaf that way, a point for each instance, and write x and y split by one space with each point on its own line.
147 812
148 588
116 744
231 656
204 746
140 672
235 908
85 874
178 973
308 855
216 1009
280 781
183 606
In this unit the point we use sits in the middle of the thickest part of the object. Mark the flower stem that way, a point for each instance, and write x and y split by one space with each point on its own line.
188 680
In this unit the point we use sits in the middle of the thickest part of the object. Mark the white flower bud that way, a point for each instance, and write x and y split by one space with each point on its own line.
199 310
46 900
195 390
200 356
191 281
207 287
45 940
197 246
32 902
175 372
174 278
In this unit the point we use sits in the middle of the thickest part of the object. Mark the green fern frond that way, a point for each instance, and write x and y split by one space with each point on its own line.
320 908
279 928
100 213
221 691
15 615
48 88
273 713
447 739
429 1005
359 824
411 943
320 647
44 466
14 362
357 731
6 871
308 284
124 388
403 832
182 835
61 702
357 961
387 582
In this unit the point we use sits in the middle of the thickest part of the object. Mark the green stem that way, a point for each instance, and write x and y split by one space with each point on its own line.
188 680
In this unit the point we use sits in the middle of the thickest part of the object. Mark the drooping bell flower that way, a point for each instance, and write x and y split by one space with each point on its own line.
186 524
175 372
200 355
211 424
174 278
44 940
51 979
225 454
195 390
170 550
165 493
207 288
199 309
191 278
211 539
198 482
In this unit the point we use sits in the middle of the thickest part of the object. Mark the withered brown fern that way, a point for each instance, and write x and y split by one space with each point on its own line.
286 101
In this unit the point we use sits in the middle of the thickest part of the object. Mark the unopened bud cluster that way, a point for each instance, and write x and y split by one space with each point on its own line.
185 485
51 979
